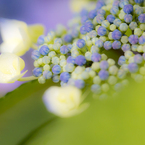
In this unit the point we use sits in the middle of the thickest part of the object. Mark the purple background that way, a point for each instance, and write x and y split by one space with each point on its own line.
47 12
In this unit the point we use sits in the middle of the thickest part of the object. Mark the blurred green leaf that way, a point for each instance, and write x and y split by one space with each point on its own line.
21 112
115 121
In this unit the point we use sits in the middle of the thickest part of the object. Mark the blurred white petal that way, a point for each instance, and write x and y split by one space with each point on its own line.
35 31
10 68
77 5
17 36
64 101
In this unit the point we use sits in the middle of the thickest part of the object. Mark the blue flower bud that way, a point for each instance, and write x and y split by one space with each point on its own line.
64 77
81 43
56 69
68 38
84 19
128 9
99 43
116 34
128 18
92 14
79 84
110 18
64 49
71 59
139 1
142 40
116 3
133 25
47 74
133 67
104 65
114 10
122 60
138 58
35 54
102 31
116 45
89 26
83 30
101 12
69 46
80 60
141 18
133 39
100 4
41 40
99 19
44 50
37 71
96 89
117 22
139 10
126 47
107 45
103 74
123 3
55 78
58 40
96 57
92 34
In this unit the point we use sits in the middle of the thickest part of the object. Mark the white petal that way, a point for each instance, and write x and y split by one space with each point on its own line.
11 29
15 46
10 67
64 101
15 37
12 80
77 5
35 31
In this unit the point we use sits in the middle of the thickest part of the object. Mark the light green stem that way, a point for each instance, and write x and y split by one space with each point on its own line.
28 78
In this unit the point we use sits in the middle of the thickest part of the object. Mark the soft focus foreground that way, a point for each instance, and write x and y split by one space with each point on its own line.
116 120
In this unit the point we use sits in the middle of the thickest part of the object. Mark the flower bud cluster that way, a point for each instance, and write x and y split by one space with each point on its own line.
79 55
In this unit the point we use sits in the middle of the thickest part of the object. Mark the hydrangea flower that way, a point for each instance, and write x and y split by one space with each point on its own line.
112 27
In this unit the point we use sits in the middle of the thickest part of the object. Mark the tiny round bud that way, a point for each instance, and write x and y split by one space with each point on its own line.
96 57
133 67
81 43
56 69
103 74
79 84
64 77
35 55
64 49
37 72
41 80
80 60
47 74
44 50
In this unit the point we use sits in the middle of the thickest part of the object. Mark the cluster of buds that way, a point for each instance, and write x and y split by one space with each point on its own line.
79 54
